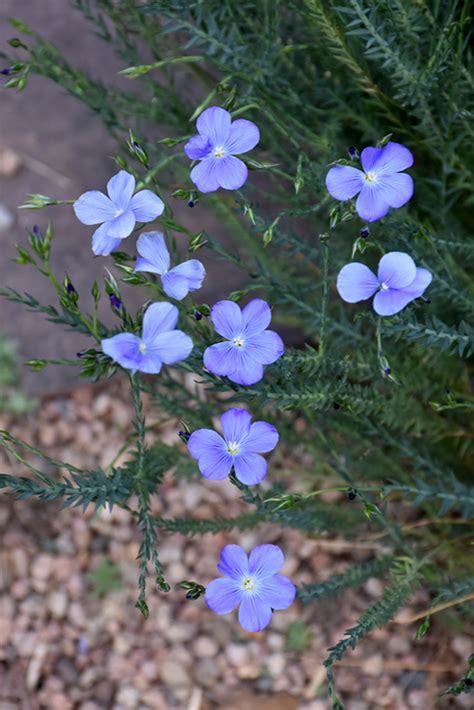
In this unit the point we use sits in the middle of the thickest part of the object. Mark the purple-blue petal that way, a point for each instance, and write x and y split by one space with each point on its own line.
387 303
396 270
174 285
250 468
393 158
184 278
261 438
234 562
227 319
356 282
231 172
123 349
120 189
256 317
171 346
254 613
223 595
198 147
204 175
247 370
371 204
265 348
155 255
146 206
159 318
102 244
94 207
214 123
203 441
344 182
221 359
215 465
243 136
397 188
277 591
235 424
265 560
420 283
122 226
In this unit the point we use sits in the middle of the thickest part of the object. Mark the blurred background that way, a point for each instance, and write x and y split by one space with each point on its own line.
69 635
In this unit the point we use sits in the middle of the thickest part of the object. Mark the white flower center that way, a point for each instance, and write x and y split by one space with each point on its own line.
239 342
370 177
383 286
118 212
233 448
219 151
248 584
142 347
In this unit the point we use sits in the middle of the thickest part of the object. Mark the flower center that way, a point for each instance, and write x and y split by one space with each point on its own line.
119 211
238 342
233 448
370 177
383 286
248 584
219 151
142 347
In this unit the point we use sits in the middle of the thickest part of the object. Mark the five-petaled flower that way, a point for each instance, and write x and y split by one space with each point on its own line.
159 344
240 447
398 282
117 213
249 345
381 184
216 146
253 582
155 258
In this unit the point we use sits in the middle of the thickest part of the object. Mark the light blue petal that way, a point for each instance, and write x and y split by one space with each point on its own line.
124 349
159 318
204 175
174 285
215 466
214 123
243 136
120 188
396 269
146 206
256 317
203 441
420 283
193 271
122 226
254 614
265 561
172 346
198 147
387 303
231 172
152 247
247 372
250 468
94 207
150 363
227 319
261 438
397 188
266 347
344 182
102 244
223 595
356 282
235 424
390 159
278 591
234 562
371 204
221 359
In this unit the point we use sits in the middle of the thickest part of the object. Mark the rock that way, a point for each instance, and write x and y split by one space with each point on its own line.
237 654
205 647
57 603
275 664
173 673
7 218
128 697
10 162
206 672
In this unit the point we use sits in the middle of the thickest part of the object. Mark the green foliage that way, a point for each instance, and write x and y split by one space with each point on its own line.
298 637
12 399
375 406
105 578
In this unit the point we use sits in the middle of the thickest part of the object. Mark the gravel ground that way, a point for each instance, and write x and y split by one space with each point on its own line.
66 642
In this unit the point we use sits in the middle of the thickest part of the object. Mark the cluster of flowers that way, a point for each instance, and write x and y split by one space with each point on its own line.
250 581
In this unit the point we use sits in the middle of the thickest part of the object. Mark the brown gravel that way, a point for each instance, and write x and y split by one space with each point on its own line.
62 646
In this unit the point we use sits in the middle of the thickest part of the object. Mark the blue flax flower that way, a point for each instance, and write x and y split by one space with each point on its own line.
155 258
249 346
253 582
116 213
160 342
398 282
380 185
216 146
240 447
